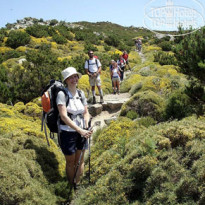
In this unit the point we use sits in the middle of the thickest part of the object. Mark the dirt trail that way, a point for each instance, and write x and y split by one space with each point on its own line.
100 119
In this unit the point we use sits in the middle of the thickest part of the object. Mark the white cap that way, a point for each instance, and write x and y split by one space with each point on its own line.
68 72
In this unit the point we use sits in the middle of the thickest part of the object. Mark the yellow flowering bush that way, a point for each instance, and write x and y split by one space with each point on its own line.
84 84
37 101
118 52
3 50
151 48
113 134
129 82
134 57
54 45
35 41
63 58
32 109
22 48
20 107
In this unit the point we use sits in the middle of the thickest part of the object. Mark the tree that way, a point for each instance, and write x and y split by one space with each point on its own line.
112 40
53 22
17 38
38 31
5 94
41 66
190 54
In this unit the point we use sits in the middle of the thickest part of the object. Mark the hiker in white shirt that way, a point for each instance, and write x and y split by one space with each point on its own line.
93 69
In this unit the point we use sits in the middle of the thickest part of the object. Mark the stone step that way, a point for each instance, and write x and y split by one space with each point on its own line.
112 103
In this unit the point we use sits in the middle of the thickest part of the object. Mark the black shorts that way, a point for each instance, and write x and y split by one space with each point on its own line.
70 142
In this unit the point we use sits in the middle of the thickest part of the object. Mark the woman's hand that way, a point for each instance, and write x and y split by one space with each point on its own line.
86 133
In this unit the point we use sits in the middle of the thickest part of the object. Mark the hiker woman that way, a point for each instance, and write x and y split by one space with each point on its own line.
74 121
115 73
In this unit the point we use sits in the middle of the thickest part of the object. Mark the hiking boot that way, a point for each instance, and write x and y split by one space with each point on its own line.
114 92
118 92
94 100
101 100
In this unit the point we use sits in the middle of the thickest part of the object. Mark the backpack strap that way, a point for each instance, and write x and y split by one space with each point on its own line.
96 62
80 95
88 65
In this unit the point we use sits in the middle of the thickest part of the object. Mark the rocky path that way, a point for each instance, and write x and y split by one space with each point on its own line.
109 110
103 113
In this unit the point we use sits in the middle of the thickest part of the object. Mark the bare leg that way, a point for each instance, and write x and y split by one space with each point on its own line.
70 169
118 86
81 166
114 83
93 90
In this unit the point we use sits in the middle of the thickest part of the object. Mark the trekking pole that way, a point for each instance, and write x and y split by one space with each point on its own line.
89 154
44 124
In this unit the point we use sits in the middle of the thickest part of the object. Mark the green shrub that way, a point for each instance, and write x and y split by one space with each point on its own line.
132 114
107 48
12 54
178 106
144 104
146 172
89 46
37 30
166 45
64 31
59 39
112 40
17 38
135 88
31 172
165 58
146 121
53 22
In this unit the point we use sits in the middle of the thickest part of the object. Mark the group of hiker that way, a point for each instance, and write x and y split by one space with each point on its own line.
117 68
74 129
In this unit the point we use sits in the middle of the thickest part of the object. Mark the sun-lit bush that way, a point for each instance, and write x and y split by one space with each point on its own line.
5 49
129 82
144 104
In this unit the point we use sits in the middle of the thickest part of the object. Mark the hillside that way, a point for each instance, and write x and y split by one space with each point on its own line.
153 153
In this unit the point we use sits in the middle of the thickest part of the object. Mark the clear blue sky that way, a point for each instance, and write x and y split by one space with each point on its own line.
123 12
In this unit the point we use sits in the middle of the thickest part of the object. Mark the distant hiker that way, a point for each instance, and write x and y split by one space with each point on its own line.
126 56
93 69
115 73
139 44
111 67
74 121
121 63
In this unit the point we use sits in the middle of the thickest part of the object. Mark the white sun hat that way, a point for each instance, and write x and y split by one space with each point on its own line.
68 72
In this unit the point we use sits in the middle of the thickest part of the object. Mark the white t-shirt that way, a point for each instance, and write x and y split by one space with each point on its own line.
94 64
75 107
115 72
